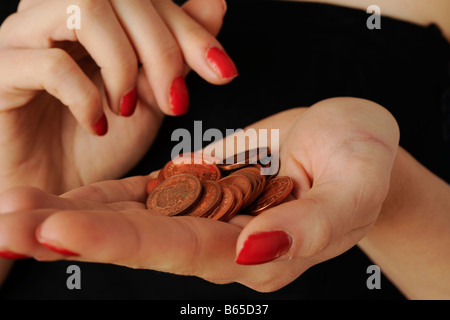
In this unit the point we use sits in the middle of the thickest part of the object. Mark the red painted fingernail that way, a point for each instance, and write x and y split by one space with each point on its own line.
12 255
60 250
128 103
179 96
101 126
264 247
222 63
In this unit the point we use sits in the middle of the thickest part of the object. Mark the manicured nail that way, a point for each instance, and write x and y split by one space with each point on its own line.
101 126
12 255
128 103
221 63
264 247
179 96
60 250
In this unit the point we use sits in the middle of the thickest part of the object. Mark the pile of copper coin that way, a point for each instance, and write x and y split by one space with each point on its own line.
217 191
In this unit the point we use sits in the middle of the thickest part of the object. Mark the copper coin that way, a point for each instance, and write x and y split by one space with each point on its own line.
225 206
255 186
276 190
161 176
151 185
238 200
256 169
210 199
205 170
240 181
243 159
175 195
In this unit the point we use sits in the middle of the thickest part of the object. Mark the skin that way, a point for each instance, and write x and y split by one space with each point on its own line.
358 142
47 116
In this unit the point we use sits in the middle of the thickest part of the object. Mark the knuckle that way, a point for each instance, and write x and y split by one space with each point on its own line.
318 238
168 56
21 198
6 28
89 5
55 61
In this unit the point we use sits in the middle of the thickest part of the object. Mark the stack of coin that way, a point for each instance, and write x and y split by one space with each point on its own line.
216 191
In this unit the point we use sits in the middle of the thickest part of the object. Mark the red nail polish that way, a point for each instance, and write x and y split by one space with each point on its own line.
222 63
59 250
179 96
264 247
101 126
128 103
11 255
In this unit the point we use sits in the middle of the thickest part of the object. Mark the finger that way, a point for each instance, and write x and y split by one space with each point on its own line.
344 164
201 51
207 13
17 235
180 245
129 193
114 55
158 52
53 70
26 4
111 191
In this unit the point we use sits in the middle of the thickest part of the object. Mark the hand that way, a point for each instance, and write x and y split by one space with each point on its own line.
94 72
339 153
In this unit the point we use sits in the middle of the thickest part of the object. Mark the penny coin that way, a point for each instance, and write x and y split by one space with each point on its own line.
161 176
151 185
238 200
243 159
240 181
254 183
276 190
198 165
175 195
210 199
225 206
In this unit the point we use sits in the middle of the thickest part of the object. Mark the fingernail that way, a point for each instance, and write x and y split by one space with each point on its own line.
128 103
59 250
179 96
12 255
264 247
221 63
101 126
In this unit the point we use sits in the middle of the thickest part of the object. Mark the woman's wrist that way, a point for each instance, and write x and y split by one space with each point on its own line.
409 238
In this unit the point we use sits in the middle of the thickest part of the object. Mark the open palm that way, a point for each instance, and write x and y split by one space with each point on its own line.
339 153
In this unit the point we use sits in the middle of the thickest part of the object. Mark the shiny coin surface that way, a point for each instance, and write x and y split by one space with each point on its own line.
276 190
242 183
200 166
225 206
208 202
175 195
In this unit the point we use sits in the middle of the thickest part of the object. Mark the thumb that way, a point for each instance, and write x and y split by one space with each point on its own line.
207 13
